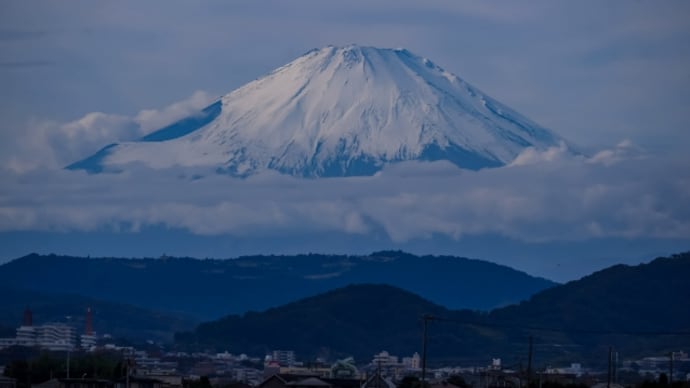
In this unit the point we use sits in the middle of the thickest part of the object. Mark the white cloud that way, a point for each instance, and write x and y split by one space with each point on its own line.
532 155
622 151
48 144
548 199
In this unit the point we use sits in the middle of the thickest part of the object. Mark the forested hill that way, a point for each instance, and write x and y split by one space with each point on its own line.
355 320
641 305
209 289
640 311
651 297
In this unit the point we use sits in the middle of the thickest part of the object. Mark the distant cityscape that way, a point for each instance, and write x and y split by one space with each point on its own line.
282 368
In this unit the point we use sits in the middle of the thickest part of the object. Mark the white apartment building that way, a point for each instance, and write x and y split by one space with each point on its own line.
384 359
284 357
413 362
50 336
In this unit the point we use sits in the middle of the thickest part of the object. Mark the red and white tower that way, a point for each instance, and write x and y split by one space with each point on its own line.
28 318
89 322
88 339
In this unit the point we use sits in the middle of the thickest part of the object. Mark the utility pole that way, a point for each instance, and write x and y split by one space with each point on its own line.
615 369
426 319
608 380
127 374
529 360
378 373
670 369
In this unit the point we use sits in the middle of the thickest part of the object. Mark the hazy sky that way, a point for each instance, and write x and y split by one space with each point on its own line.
613 77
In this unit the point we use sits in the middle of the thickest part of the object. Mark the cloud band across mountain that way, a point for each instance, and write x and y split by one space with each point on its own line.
554 197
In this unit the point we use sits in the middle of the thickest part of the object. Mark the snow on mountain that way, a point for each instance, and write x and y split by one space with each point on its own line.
338 111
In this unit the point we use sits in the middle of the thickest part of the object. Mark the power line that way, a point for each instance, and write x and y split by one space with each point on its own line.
559 330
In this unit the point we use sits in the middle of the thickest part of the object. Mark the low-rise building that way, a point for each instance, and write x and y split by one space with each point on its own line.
136 382
75 383
284 357
50 336
7 382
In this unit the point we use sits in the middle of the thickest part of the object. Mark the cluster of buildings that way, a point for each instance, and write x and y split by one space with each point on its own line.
282 369
283 362
52 336
676 365
396 365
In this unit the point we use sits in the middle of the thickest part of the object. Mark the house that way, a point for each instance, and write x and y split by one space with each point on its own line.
138 382
606 385
75 383
273 381
167 379
378 381
305 381
309 382
7 382
293 381
336 382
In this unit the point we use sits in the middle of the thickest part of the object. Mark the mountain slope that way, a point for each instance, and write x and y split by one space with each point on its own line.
212 288
335 112
643 297
636 310
355 320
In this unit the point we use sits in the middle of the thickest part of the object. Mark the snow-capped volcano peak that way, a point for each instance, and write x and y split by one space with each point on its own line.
339 111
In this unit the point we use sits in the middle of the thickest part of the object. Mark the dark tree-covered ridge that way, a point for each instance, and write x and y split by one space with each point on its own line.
639 310
208 289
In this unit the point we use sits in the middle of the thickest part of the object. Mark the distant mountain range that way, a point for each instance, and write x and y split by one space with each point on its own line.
337 111
640 311
208 289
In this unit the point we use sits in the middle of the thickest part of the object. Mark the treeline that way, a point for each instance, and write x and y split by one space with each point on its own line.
29 366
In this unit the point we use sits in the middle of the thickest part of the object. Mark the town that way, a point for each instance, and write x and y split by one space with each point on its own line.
75 354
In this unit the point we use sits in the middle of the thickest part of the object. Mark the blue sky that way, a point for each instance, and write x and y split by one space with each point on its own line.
610 76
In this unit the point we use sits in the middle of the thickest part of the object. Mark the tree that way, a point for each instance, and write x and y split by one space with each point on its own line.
663 379
203 382
458 381
19 370
411 382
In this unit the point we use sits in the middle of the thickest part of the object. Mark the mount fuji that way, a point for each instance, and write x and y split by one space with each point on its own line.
337 111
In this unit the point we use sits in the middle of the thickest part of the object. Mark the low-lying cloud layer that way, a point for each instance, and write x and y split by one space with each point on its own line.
542 196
